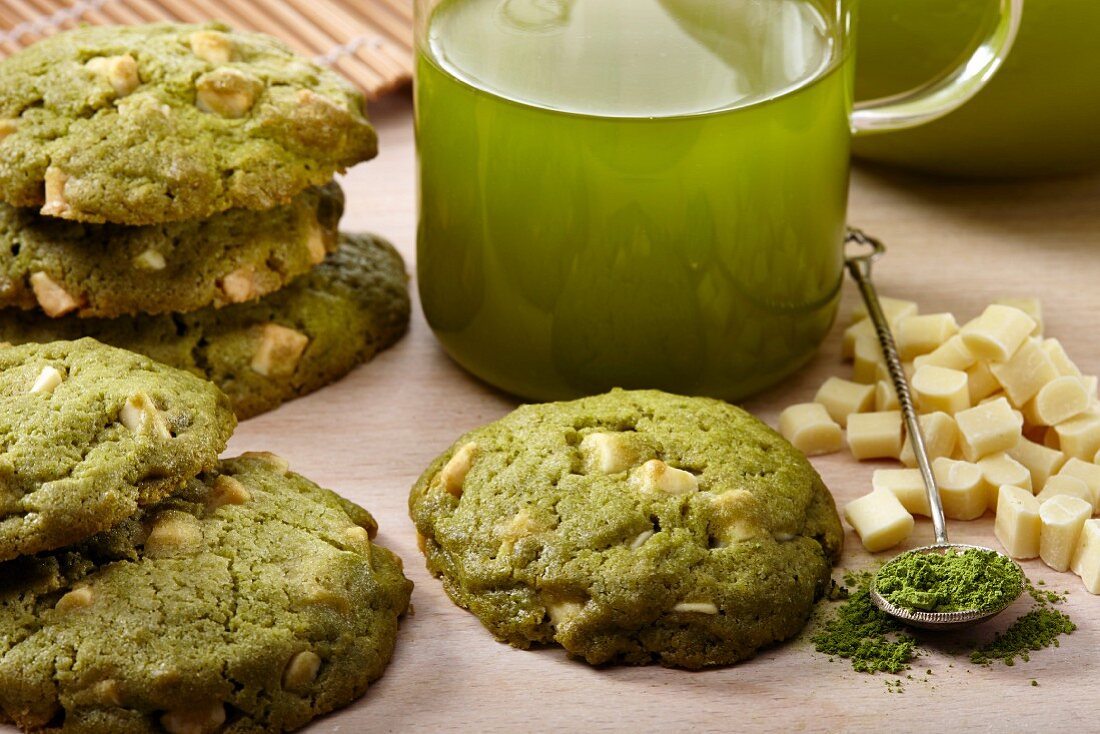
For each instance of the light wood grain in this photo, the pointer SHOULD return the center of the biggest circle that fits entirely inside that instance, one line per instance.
(951, 247)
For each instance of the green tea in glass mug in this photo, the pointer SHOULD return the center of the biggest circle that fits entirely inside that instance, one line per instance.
(638, 193)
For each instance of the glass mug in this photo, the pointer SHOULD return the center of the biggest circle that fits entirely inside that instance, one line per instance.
(643, 193)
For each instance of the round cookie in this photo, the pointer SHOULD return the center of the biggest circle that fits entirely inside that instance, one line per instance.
(278, 348)
(111, 269)
(155, 123)
(251, 601)
(90, 433)
(634, 526)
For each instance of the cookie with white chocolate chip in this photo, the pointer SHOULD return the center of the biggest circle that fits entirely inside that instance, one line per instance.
(106, 270)
(263, 353)
(165, 122)
(90, 433)
(634, 526)
(252, 600)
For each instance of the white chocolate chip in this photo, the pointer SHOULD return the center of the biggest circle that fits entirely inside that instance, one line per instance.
(140, 415)
(227, 490)
(8, 126)
(56, 204)
(279, 350)
(52, 297)
(697, 607)
(279, 463)
(301, 671)
(76, 599)
(315, 243)
(48, 379)
(213, 46)
(563, 612)
(608, 453)
(173, 533)
(150, 260)
(357, 535)
(120, 71)
(227, 92)
(657, 476)
(640, 539)
(200, 719)
(455, 470)
(240, 285)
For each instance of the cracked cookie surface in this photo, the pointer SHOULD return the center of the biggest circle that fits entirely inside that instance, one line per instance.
(634, 526)
(253, 600)
(164, 122)
(90, 433)
(280, 347)
(107, 270)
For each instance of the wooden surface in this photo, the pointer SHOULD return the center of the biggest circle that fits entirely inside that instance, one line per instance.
(952, 247)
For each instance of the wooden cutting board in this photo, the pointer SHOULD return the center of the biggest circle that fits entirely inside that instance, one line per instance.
(370, 41)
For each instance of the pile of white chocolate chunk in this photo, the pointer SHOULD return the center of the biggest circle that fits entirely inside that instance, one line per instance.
(1010, 422)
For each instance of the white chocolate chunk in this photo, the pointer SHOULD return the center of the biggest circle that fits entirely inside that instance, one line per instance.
(454, 472)
(907, 485)
(108, 691)
(962, 493)
(52, 297)
(150, 260)
(1017, 525)
(941, 435)
(917, 335)
(227, 490)
(79, 598)
(696, 607)
(736, 517)
(213, 46)
(1030, 305)
(980, 382)
(843, 397)
(1086, 557)
(240, 285)
(1087, 472)
(1041, 461)
(894, 309)
(657, 476)
(1057, 401)
(886, 397)
(1079, 436)
(1067, 486)
(810, 429)
(522, 525)
(608, 453)
(173, 533)
(640, 539)
(8, 126)
(882, 372)
(278, 350)
(563, 612)
(227, 92)
(1024, 373)
(56, 204)
(121, 72)
(48, 379)
(280, 464)
(952, 354)
(140, 415)
(997, 333)
(315, 244)
(862, 330)
(879, 519)
(999, 470)
(1059, 358)
(989, 428)
(1062, 519)
(875, 435)
(940, 389)
(205, 718)
(301, 671)
(867, 360)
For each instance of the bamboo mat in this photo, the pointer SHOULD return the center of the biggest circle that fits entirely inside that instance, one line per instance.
(369, 41)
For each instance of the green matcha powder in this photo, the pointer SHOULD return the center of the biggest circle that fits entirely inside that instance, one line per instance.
(952, 581)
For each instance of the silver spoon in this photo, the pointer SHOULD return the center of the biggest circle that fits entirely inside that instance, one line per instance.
(859, 266)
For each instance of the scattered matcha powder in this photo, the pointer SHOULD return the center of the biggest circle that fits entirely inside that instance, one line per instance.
(952, 581)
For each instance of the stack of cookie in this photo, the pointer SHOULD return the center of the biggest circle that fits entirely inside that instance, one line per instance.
(167, 189)
(146, 586)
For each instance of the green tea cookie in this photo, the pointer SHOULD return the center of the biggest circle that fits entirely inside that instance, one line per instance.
(158, 123)
(112, 269)
(630, 527)
(251, 601)
(283, 346)
(90, 433)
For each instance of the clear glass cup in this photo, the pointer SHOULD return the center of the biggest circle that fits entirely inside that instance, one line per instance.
(644, 193)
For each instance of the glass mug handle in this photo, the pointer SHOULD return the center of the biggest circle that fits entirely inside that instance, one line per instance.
(948, 92)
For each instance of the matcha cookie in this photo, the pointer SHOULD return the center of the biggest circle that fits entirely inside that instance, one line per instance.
(111, 269)
(287, 344)
(157, 123)
(90, 433)
(251, 601)
(630, 527)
